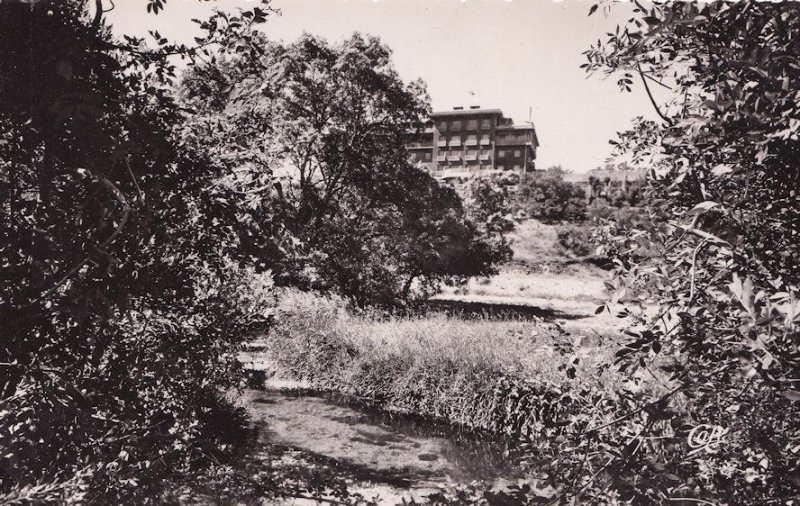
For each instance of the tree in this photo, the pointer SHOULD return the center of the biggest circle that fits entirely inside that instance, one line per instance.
(351, 213)
(120, 304)
(548, 198)
(723, 167)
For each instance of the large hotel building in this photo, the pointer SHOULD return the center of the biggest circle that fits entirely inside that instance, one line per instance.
(474, 140)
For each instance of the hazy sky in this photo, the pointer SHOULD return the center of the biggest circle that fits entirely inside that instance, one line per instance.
(512, 55)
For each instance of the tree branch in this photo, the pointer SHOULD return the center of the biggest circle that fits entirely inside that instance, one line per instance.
(650, 95)
(98, 14)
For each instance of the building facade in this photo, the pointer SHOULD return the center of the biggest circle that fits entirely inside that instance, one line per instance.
(463, 142)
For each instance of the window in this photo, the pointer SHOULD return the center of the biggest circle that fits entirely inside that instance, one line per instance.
(472, 140)
(472, 124)
(486, 124)
(427, 156)
(485, 155)
(455, 141)
(442, 143)
(501, 153)
(442, 126)
(456, 125)
(517, 153)
(517, 167)
(485, 140)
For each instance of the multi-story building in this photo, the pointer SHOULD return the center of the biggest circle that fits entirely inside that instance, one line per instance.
(474, 140)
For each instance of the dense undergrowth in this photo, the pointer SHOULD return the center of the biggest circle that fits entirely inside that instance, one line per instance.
(521, 379)
(511, 377)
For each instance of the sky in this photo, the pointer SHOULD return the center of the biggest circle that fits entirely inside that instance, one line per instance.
(521, 56)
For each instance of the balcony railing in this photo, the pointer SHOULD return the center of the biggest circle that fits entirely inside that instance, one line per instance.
(471, 142)
(506, 140)
(442, 143)
(455, 141)
(485, 141)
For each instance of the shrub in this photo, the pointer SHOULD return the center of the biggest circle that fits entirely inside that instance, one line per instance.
(123, 297)
(548, 198)
(575, 239)
(723, 169)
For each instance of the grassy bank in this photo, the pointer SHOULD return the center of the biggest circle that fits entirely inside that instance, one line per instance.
(509, 377)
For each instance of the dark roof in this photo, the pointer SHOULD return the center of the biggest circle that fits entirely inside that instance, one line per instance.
(518, 126)
(467, 112)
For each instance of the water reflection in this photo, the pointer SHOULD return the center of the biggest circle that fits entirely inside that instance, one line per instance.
(395, 442)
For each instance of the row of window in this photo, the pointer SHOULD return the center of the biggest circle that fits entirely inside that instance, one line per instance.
(457, 125)
(471, 154)
(484, 166)
(514, 137)
(503, 153)
(471, 140)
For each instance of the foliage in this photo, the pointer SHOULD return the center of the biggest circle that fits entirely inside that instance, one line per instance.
(495, 376)
(629, 232)
(125, 282)
(351, 213)
(488, 203)
(548, 198)
(723, 170)
(574, 239)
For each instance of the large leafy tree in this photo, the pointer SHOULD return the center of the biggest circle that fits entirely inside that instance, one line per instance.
(327, 123)
(723, 160)
(121, 250)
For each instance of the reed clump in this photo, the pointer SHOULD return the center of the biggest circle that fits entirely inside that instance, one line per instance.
(516, 378)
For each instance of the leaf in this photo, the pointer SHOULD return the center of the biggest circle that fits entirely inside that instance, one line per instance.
(762, 154)
(721, 170)
(702, 207)
(792, 395)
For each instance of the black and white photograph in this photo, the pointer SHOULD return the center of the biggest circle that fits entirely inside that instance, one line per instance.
(399, 252)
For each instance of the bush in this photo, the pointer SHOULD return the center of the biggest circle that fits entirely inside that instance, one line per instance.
(575, 239)
(725, 275)
(125, 290)
(548, 198)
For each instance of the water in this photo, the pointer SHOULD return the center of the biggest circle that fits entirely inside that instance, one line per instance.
(392, 454)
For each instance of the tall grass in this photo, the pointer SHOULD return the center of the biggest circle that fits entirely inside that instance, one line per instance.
(507, 377)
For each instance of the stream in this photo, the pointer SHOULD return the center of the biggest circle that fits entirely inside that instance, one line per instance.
(391, 455)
